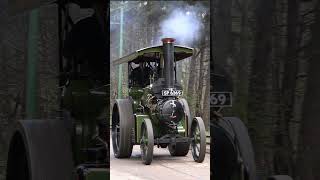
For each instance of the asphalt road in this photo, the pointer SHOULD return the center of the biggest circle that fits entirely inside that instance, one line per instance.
(163, 167)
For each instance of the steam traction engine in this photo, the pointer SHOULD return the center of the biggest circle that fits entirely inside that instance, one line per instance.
(154, 113)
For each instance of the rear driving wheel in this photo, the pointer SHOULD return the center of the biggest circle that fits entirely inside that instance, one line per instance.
(122, 128)
(146, 142)
(198, 143)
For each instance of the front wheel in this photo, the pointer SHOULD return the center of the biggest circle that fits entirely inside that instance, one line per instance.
(146, 142)
(198, 143)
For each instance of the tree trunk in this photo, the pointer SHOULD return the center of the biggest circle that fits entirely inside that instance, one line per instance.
(192, 82)
(221, 31)
(288, 88)
(200, 85)
(257, 109)
(206, 104)
(241, 86)
(310, 145)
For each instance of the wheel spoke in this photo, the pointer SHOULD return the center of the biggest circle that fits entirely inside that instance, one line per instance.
(198, 131)
(198, 139)
(144, 142)
(117, 135)
(198, 148)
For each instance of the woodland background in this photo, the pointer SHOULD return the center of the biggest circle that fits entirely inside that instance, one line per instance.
(270, 51)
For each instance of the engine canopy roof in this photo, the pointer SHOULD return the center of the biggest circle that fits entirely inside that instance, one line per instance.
(153, 54)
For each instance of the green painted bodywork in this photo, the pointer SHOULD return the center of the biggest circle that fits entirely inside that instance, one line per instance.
(157, 130)
(139, 119)
(97, 174)
(87, 109)
(182, 127)
(136, 92)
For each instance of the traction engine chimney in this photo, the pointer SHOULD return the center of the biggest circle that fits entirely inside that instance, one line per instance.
(168, 56)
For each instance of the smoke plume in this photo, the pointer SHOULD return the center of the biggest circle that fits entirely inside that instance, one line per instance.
(183, 24)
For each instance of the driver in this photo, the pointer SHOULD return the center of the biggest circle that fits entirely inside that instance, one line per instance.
(141, 75)
(86, 44)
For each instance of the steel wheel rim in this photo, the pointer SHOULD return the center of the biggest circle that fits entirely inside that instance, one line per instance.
(117, 136)
(144, 142)
(116, 133)
(196, 140)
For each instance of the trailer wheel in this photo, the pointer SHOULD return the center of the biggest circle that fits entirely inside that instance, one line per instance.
(198, 143)
(122, 125)
(179, 149)
(146, 141)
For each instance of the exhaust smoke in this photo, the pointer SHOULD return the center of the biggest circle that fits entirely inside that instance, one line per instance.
(184, 24)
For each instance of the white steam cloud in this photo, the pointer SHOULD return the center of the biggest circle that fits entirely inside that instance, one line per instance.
(183, 25)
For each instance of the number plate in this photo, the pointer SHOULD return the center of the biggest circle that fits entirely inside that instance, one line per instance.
(221, 99)
(171, 92)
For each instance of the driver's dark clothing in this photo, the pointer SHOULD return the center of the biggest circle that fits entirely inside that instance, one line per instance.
(86, 44)
(137, 77)
(140, 76)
